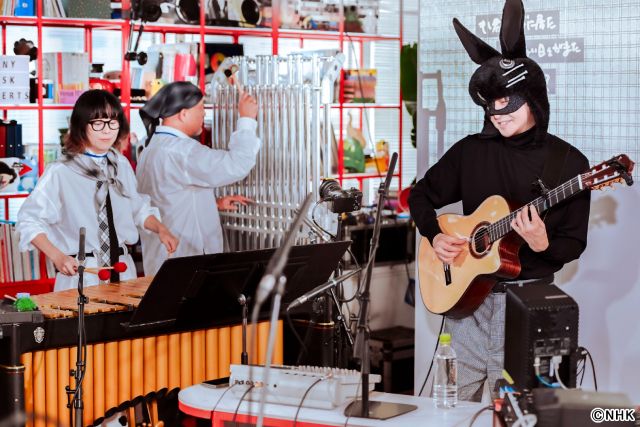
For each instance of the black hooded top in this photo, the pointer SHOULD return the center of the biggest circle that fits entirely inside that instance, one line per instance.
(477, 167)
(487, 164)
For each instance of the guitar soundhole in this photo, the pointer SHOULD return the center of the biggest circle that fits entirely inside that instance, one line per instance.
(480, 242)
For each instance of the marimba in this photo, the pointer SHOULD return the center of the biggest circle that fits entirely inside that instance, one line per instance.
(122, 364)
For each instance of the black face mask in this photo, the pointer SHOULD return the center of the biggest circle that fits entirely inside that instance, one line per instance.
(515, 102)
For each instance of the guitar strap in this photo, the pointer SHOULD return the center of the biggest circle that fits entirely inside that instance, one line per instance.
(553, 166)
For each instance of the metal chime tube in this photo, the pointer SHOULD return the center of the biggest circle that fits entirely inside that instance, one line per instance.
(289, 126)
(315, 122)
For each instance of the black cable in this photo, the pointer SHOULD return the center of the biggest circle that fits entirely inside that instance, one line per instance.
(584, 354)
(580, 371)
(313, 218)
(304, 396)
(357, 292)
(235, 414)
(213, 411)
(358, 389)
(593, 369)
(432, 358)
(355, 260)
(477, 414)
(584, 370)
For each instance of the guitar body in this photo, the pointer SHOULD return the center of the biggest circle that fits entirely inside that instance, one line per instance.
(492, 249)
(473, 274)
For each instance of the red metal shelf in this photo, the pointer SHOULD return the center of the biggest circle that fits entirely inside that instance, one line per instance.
(365, 175)
(366, 106)
(105, 24)
(18, 20)
(96, 24)
(36, 107)
(202, 31)
(333, 35)
(207, 30)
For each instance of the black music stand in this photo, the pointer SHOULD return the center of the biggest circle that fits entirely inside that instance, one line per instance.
(203, 290)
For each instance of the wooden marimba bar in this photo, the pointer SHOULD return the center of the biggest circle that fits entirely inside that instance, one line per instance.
(120, 370)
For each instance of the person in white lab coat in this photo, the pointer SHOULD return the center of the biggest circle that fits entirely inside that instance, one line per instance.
(91, 186)
(180, 174)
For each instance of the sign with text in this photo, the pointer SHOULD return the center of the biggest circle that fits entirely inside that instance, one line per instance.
(540, 23)
(570, 49)
(14, 79)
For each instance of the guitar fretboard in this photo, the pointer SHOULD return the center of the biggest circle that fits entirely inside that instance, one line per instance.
(503, 226)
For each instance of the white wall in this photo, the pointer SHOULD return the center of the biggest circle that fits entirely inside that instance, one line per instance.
(594, 106)
(605, 282)
(387, 306)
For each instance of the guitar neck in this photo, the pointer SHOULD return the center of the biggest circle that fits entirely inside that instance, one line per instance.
(503, 226)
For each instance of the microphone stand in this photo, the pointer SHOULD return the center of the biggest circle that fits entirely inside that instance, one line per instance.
(338, 279)
(76, 406)
(329, 286)
(365, 408)
(274, 279)
(244, 357)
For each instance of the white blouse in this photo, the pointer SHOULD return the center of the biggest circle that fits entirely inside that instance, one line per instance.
(63, 201)
(180, 174)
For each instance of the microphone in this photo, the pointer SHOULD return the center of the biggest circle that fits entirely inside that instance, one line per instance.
(322, 288)
(81, 250)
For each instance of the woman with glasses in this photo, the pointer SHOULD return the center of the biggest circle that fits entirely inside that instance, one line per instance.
(92, 186)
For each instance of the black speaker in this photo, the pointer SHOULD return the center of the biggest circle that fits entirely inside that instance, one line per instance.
(541, 322)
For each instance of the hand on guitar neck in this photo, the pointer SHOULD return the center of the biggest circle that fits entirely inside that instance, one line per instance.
(531, 228)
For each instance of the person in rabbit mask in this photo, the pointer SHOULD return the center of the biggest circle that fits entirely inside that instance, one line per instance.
(513, 150)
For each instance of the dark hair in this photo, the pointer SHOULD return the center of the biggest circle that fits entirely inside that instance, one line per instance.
(91, 105)
(6, 169)
(169, 100)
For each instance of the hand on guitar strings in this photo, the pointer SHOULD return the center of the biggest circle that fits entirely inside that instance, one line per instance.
(531, 228)
(447, 248)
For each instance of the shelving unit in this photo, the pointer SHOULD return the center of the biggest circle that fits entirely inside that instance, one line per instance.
(122, 25)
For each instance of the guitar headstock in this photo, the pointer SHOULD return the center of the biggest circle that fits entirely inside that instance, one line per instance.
(607, 173)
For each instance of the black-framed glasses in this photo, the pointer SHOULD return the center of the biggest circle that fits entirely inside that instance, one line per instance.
(98, 125)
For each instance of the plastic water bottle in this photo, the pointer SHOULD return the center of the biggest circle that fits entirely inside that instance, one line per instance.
(445, 383)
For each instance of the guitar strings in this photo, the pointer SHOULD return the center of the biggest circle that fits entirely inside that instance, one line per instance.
(505, 223)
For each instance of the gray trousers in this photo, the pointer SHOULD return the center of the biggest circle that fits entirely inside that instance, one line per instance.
(478, 341)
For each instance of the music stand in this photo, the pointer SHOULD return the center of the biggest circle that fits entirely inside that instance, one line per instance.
(203, 290)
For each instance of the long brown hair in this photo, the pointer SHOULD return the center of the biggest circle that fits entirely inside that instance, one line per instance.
(91, 105)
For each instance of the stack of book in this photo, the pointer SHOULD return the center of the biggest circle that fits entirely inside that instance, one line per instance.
(360, 85)
(18, 7)
(11, 139)
(16, 266)
(69, 74)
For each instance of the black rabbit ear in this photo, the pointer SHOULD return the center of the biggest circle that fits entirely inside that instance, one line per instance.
(477, 49)
(512, 31)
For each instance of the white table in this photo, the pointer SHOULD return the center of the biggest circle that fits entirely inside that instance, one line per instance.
(199, 400)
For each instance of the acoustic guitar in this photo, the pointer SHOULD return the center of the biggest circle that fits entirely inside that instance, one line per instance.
(491, 252)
